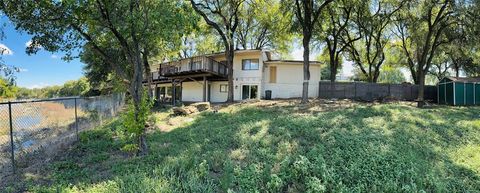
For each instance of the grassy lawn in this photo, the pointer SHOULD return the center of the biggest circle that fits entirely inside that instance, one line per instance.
(280, 147)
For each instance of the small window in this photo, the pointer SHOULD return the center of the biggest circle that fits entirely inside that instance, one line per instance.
(223, 88)
(250, 64)
(273, 74)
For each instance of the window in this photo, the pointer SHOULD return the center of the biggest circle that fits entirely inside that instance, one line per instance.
(273, 74)
(250, 64)
(223, 88)
(249, 92)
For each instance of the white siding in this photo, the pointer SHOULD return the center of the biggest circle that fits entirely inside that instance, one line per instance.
(245, 77)
(192, 92)
(216, 95)
(289, 82)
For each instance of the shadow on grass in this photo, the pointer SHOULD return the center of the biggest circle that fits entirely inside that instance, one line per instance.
(382, 148)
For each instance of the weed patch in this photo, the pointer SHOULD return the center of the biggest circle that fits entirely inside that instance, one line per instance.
(273, 148)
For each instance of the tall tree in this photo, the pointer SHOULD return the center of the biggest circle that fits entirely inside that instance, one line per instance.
(372, 20)
(201, 40)
(263, 25)
(421, 27)
(223, 16)
(307, 13)
(121, 32)
(7, 72)
(440, 65)
(339, 16)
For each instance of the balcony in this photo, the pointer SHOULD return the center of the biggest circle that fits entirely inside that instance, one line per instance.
(156, 77)
(194, 67)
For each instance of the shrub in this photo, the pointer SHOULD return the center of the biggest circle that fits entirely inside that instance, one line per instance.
(135, 125)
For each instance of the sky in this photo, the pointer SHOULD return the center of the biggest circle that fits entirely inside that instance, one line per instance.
(38, 70)
(47, 69)
(297, 54)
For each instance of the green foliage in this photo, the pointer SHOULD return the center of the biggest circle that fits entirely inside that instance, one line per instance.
(324, 59)
(259, 30)
(80, 87)
(379, 148)
(130, 148)
(7, 90)
(75, 88)
(391, 75)
(134, 119)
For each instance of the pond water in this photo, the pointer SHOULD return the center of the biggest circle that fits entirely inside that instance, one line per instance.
(27, 121)
(24, 126)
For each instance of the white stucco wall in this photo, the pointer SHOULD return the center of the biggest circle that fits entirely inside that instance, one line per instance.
(215, 95)
(245, 77)
(192, 92)
(289, 82)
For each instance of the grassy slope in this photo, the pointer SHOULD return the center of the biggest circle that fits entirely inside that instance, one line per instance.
(381, 148)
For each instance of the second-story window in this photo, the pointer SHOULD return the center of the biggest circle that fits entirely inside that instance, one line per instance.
(250, 64)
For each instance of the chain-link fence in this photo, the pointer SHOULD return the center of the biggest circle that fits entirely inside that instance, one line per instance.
(37, 129)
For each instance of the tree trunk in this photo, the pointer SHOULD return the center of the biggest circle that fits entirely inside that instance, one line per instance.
(306, 66)
(229, 54)
(421, 89)
(376, 74)
(148, 73)
(137, 94)
(333, 69)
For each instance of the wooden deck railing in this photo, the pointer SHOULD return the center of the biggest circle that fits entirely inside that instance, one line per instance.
(155, 76)
(199, 64)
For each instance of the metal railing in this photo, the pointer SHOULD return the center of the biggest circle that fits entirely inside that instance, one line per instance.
(193, 65)
(155, 76)
(34, 129)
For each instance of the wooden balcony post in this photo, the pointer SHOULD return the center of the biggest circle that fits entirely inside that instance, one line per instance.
(173, 93)
(204, 89)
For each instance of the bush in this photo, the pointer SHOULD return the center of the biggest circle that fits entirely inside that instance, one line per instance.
(135, 127)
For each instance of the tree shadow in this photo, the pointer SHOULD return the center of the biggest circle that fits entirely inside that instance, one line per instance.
(382, 148)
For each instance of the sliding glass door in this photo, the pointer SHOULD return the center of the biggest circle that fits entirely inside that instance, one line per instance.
(249, 92)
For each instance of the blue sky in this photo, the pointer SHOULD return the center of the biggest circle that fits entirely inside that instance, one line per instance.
(39, 70)
(47, 69)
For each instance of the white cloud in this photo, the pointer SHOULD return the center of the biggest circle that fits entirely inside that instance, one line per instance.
(29, 42)
(4, 50)
(54, 56)
(23, 70)
(39, 85)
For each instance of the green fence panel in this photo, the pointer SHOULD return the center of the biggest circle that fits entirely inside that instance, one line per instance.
(477, 94)
(441, 94)
(470, 97)
(449, 93)
(459, 93)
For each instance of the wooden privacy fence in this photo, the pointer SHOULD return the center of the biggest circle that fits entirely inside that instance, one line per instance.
(373, 91)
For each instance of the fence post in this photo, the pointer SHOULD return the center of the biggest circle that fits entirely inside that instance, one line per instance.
(355, 97)
(389, 90)
(76, 119)
(319, 89)
(411, 93)
(11, 135)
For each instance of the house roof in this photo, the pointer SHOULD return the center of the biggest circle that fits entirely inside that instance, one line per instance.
(464, 79)
(291, 61)
(235, 51)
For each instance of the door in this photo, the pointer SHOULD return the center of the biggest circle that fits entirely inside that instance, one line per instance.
(157, 93)
(249, 92)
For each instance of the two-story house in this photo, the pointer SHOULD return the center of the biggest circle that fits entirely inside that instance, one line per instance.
(204, 78)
